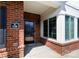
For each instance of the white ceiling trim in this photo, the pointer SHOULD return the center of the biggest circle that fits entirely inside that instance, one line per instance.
(38, 7)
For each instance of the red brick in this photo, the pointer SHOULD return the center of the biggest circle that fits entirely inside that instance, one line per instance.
(13, 34)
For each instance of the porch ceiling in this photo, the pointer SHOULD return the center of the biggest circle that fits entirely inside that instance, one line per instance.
(38, 7)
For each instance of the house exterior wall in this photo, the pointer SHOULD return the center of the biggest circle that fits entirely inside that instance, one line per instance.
(15, 37)
(61, 45)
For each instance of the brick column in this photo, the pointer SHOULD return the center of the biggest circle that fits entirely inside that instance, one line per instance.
(14, 37)
(21, 43)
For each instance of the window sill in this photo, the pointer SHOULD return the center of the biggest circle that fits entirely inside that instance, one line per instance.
(61, 43)
(51, 39)
(71, 40)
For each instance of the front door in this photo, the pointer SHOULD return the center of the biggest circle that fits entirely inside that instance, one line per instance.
(29, 32)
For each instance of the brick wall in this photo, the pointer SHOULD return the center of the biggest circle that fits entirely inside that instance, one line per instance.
(69, 47)
(54, 46)
(14, 36)
(3, 53)
(61, 48)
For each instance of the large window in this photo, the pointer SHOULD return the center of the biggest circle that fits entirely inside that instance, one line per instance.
(69, 27)
(52, 27)
(51, 30)
(45, 30)
(3, 15)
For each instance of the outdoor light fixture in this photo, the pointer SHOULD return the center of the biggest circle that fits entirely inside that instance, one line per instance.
(15, 25)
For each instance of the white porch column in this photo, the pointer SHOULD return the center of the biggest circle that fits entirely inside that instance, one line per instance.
(61, 28)
(75, 28)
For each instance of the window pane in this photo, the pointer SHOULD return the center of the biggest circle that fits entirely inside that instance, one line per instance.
(66, 27)
(3, 14)
(45, 30)
(3, 18)
(78, 28)
(69, 27)
(29, 28)
(72, 28)
(52, 27)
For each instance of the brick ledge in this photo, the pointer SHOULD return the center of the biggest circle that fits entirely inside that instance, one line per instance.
(2, 50)
(59, 44)
(21, 46)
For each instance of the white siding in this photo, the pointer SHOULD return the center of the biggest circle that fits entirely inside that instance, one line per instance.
(61, 28)
(70, 11)
(75, 28)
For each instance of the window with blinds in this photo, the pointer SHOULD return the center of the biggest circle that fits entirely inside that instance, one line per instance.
(3, 15)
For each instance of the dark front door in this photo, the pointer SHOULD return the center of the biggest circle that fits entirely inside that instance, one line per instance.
(29, 32)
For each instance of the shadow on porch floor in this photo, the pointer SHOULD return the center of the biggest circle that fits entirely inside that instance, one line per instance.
(29, 47)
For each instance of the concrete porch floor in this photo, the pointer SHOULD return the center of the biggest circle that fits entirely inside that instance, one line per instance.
(41, 51)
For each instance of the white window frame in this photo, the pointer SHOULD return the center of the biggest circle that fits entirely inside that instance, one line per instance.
(61, 39)
(75, 30)
(51, 39)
